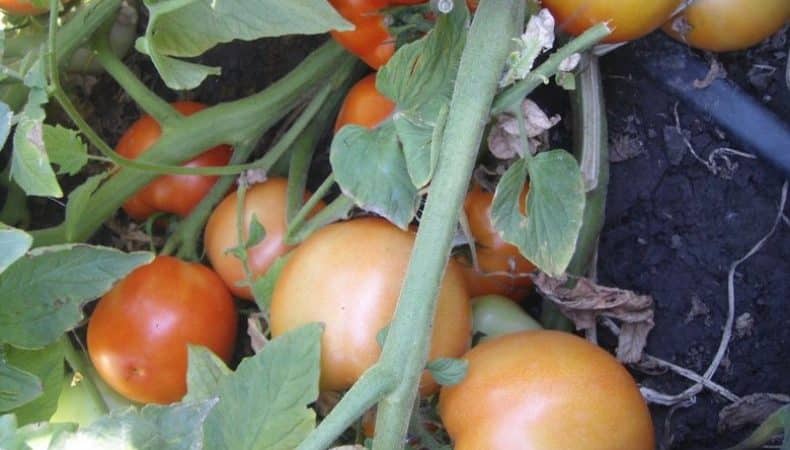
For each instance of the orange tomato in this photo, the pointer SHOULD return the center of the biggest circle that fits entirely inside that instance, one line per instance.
(631, 19)
(177, 194)
(370, 40)
(728, 25)
(545, 390)
(364, 105)
(348, 276)
(267, 202)
(23, 7)
(138, 334)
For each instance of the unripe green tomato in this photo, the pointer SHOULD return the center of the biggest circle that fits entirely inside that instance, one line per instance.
(495, 315)
(75, 404)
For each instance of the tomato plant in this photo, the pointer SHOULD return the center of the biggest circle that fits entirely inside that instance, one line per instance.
(495, 315)
(176, 194)
(548, 390)
(138, 334)
(370, 40)
(266, 202)
(727, 25)
(501, 267)
(631, 19)
(348, 276)
(364, 105)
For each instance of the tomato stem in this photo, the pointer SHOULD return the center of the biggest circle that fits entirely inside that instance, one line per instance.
(512, 97)
(338, 209)
(296, 224)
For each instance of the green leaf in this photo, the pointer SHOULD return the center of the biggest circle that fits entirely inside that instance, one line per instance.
(256, 233)
(77, 206)
(10, 438)
(196, 26)
(47, 365)
(204, 373)
(174, 427)
(448, 371)
(555, 205)
(17, 387)
(5, 121)
(263, 405)
(371, 170)
(263, 286)
(14, 244)
(65, 148)
(43, 292)
(30, 166)
(420, 78)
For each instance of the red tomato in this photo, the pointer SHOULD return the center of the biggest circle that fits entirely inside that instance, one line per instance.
(545, 390)
(364, 105)
(22, 7)
(370, 40)
(177, 194)
(138, 334)
(728, 25)
(407, 2)
(493, 253)
(348, 276)
(267, 202)
(631, 19)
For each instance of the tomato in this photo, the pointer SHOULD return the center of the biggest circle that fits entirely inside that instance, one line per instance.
(364, 105)
(494, 255)
(138, 334)
(370, 40)
(22, 7)
(267, 202)
(348, 276)
(407, 2)
(727, 25)
(630, 19)
(177, 194)
(545, 390)
(494, 315)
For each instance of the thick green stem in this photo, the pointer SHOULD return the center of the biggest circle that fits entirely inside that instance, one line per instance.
(592, 150)
(337, 210)
(298, 169)
(223, 123)
(76, 360)
(295, 224)
(405, 351)
(151, 103)
(512, 96)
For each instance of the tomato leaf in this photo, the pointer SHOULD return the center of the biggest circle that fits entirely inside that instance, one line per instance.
(448, 371)
(47, 365)
(370, 169)
(14, 243)
(17, 387)
(5, 123)
(420, 78)
(77, 206)
(10, 438)
(555, 205)
(30, 166)
(174, 427)
(204, 373)
(193, 27)
(255, 234)
(263, 405)
(65, 148)
(43, 292)
(263, 286)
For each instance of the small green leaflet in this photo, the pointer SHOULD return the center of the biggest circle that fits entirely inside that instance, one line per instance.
(204, 373)
(30, 166)
(65, 148)
(187, 29)
(263, 405)
(263, 286)
(14, 244)
(17, 387)
(5, 121)
(448, 371)
(555, 206)
(371, 170)
(79, 199)
(255, 234)
(154, 427)
(47, 365)
(44, 291)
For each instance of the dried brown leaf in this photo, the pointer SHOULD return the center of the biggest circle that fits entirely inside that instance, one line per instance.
(750, 410)
(256, 332)
(586, 301)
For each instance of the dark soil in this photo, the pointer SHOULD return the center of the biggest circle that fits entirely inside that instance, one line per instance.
(672, 230)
